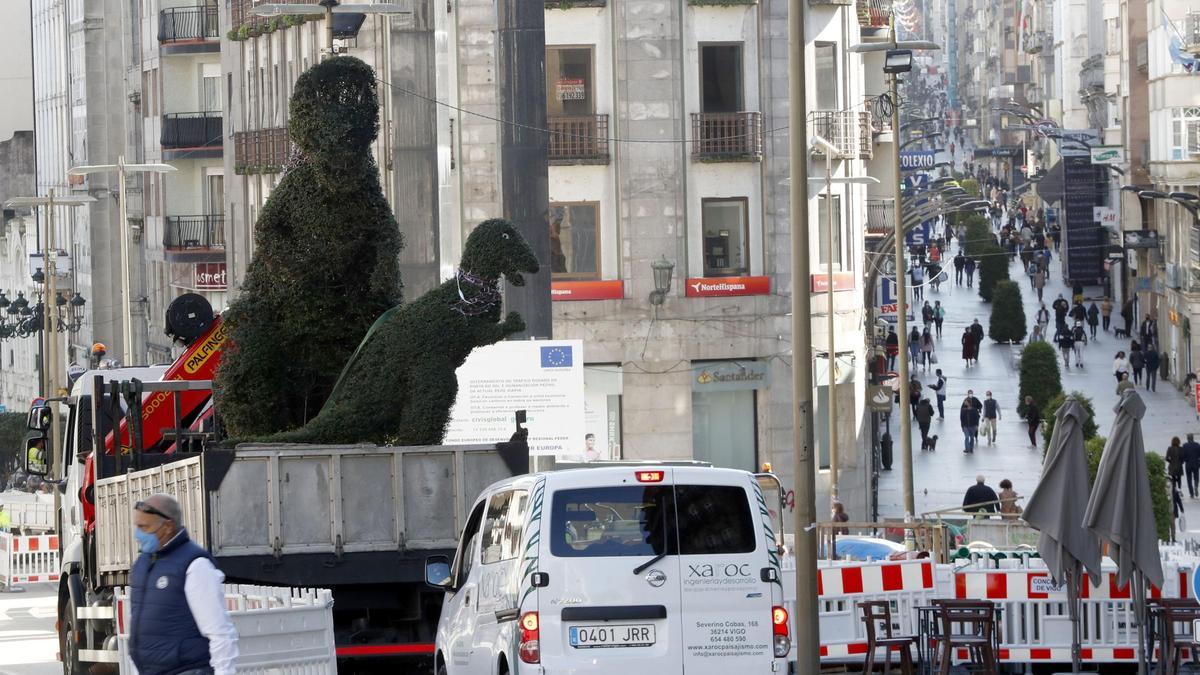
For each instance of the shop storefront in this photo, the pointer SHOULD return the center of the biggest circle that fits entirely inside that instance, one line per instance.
(724, 429)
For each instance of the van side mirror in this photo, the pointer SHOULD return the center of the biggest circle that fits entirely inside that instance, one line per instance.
(39, 418)
(437, 572)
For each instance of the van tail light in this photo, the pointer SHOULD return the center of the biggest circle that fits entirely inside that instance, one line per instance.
(779, 624)
(650, 476)
(530, 647)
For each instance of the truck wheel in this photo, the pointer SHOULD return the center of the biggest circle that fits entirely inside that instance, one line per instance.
(441, 669)
(68, 643)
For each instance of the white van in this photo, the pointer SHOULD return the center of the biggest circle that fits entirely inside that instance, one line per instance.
(653, 569)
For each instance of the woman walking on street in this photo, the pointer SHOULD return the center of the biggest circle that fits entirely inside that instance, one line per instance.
(1152, 363)
(1093, 318)
(914, 347)
(927, 356)
(1106, 312)
(893, 348)
(1175, 462)
(1033, 417)
(968, 346)
(1120, 367)
(939, 315)
(1137, 361)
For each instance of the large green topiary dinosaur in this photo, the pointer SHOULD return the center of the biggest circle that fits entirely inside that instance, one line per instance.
(400, 384)
(325, 263)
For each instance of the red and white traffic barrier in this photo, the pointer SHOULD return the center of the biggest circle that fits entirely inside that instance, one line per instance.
(28, 559)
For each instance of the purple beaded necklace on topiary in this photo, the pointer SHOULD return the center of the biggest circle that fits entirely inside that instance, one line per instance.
(485, 298)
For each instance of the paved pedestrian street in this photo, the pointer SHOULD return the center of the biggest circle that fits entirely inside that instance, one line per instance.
(28, 645)
(942, 477)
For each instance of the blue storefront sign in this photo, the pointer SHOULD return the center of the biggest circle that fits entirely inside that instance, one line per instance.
(914, 160)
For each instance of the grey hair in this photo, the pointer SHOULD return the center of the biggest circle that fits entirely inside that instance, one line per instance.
(979, 478)
(168, 505)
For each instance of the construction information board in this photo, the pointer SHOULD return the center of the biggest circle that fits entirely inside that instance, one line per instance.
(542, 377)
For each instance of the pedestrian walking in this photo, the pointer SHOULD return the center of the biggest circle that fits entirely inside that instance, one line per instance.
(924, 416)
(1060, 308)
(1191, 464)
(927, 315)
(1127, 316)
(1149, 330)
(960, 262)
(1123, 384)
(1151, 357)
(1039, 282)
(1106, 308)
(939, 315)
(917, 276)
(991, 417)
(968, 418)
(1093, 318)
(1137, 361)
(980, 498)
(969, 268)
(1037, 335)
(1009, 510)
(1066, 344)
(1080, 338)
(1078, 312)
(914, 393)
(970, 348)
(1174, 459)
(927, 354)
(939, 389)
(893, 347)
(1031, 269)
(1120, 367)
(838, 515)
(1033, 417)
(1077, 293)
(914, 346)
(179, 621)
(1042, 318)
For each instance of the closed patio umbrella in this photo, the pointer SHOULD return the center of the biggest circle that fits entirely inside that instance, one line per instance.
(1056, 509)
(1120, 510)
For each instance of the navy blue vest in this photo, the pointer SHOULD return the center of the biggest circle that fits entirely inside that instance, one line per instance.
(164, 638)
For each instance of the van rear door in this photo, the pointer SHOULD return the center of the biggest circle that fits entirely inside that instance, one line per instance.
(612, 604)
(726, 603)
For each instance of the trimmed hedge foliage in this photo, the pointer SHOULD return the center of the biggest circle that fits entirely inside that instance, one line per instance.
(1008, 313)
(1040, 377)
(325, 264)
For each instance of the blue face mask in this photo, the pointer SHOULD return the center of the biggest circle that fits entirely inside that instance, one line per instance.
(147, 541)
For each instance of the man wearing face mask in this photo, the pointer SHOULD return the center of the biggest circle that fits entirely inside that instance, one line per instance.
(180, 624)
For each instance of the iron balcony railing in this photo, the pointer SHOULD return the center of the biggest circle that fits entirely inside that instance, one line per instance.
(194, 233)
(191, 130)
(261, 150)
(578, 138)
(881, 217)
(848, 131)
(727, 136)
(176, 24)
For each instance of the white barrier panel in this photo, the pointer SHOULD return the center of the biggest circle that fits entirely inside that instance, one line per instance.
(281, 631)
(29, 511)
(28, 559)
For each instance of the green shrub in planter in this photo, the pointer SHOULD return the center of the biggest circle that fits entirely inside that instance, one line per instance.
(993, 268)
(1008, 315)
(970, 185)
(1089, 427)
(243, 32)
(1039, 377)
(1160, 494)
(1094, 447)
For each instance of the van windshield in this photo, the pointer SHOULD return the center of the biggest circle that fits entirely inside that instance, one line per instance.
(642, 521)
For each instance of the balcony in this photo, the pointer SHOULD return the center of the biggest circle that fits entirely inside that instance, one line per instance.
(261, 151)
(1191, 33)
(848, 131)
(193, 135)
(881, 217)
(189, 30)
(572, 4)
(830, 3)
(727, 137)
(873, 14)
(578, 139)
(194, 238)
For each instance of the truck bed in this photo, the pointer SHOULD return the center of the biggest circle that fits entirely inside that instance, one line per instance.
(272, 501)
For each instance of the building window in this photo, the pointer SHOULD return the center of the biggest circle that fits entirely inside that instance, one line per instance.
(827, 77)
(569, 86)
(822, 226)
(575, 240)
(726, 232)
(1185, 132)
(721, 78)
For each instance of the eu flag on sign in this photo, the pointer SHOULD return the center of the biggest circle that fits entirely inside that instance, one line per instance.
(556, 357)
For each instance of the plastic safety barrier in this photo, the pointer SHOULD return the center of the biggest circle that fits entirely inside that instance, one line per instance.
(281, 631)
(28, 559)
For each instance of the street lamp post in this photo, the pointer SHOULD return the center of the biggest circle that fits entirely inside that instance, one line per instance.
(123, 216)
(49, 253)
(899, 60)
